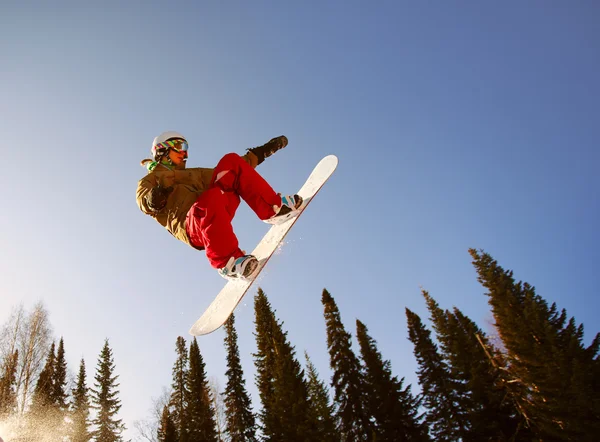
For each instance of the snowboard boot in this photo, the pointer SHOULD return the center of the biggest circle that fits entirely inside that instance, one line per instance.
(290, 207)
(239, 268)
(269, 148)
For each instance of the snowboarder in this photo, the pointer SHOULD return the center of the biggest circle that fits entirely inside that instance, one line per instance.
(197, 205)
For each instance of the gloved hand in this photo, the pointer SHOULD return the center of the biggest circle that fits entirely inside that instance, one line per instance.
(157, 198)
(269, 148)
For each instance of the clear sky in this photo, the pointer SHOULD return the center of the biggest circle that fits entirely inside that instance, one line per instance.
(457, 124)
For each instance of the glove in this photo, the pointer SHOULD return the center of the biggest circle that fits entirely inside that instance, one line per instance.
(157, 198)
(269, 148)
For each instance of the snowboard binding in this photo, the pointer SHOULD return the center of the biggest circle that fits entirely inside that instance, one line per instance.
(243, 267)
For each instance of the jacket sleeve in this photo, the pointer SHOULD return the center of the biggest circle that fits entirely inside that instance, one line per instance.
(166, 178)
(251, 159)
(260, 153)
(145, 185)
(197, 179)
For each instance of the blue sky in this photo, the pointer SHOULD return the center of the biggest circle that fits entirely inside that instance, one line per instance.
(457, 124)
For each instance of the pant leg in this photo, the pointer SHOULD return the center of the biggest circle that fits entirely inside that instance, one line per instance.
(209, 225)
(233, 174)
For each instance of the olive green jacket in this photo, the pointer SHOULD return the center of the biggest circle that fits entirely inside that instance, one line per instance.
(188, 185)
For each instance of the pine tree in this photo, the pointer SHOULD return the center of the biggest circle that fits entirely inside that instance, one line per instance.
(8, 393)
(80, 408)
(265, 362)
(202, 425)
(167, 431)
(554, 376)
(44, 416)
(394, 409)
(446, 421)
(280, 380)
(59, 382)
(105, 399)
(473, 362)
(179, 395)
(44, 388)
(241, 424)
(347, 380)
(49, 399)
(322, 410)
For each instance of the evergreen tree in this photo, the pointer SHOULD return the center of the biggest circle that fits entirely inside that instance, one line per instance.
(167, 431)
(446, 421)
(241, 424)
(265, 362)
(48, 407)
(59, 382)
(44, 416)
(555, 377)
(44, 388)
(473, 362)
(8, 379)
(80, 408)
(347, 380)
(394, 409)
(179, 395)
(280, 380)
(322, 410)
(202, 425)
(105, 399)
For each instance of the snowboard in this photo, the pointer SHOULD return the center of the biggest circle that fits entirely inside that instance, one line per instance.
(230, 296)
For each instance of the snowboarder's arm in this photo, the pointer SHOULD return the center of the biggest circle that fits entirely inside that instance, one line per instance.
(151, 196)
(145, 185)
(266, 150)
(195, 177)
(154, 189)
(251, 159)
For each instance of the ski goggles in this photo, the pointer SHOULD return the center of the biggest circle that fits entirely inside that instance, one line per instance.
(176, 145)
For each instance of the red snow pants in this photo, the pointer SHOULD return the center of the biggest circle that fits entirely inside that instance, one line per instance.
(208, 221)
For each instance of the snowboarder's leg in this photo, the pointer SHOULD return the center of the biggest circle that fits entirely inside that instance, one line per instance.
(209, 225)
(233, 174)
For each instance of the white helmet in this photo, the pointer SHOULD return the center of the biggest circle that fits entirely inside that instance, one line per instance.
(158, 150)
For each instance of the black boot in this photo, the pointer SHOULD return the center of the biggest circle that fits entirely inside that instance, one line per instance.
(269, 148)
